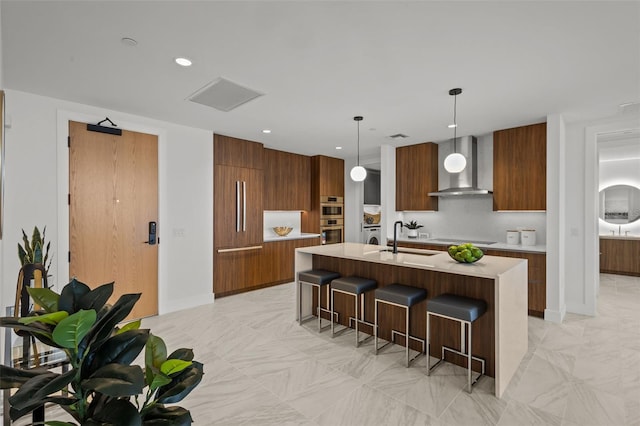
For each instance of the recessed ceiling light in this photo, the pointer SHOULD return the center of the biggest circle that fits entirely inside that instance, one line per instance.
(338, 147)
(128, 41)
(183, 62)
(451, 126)
(266, 131)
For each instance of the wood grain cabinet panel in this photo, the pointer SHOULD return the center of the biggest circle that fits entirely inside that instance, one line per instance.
(520, 168)
(416, 176)
(620, 256)
(238, 205)
(287, 181)
(537, 274)
(330, 175)
(230, 151)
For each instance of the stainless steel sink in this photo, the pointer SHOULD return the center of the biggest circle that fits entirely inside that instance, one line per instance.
(452, 240)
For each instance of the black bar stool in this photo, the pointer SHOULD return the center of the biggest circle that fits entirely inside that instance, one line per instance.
(316, 278)
(404, 296)
(357, 287)
(464, 310)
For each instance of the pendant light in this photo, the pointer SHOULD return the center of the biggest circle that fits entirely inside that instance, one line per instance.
(358, 173)
(456, 162)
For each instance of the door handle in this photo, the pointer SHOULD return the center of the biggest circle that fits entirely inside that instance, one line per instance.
(237, 206)
(151, 240)
(244, 206)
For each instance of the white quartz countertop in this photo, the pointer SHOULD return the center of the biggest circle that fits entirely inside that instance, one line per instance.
(487, 267)
(299, 236)
(620, 237)
(496, 246)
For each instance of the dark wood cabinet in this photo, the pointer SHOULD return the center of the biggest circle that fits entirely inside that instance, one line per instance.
(287, 181)
(620, 256)
(520, 168)
(238, 220)
(537, 273)
(327, 179)
(278, 259)
(416, 176)
(328, 173)
(238, 214)
(230, 151)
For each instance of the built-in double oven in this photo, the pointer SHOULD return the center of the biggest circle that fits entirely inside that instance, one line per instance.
(332, 219)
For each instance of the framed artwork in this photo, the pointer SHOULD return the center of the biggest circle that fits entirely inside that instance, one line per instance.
(1, 161)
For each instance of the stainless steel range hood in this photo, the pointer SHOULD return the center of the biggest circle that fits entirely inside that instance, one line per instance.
(465, 182)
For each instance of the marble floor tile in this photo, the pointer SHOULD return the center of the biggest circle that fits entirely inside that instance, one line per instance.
(280, 415)
(366, 406)
(517, 413)
(589, 406)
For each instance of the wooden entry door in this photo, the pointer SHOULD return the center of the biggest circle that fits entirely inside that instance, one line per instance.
(113, 186)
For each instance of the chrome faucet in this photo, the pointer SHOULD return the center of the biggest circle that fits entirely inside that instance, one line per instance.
(619, 229)
(395, 235)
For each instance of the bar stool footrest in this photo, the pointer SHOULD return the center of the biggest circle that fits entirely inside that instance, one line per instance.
(318, 310)
(457, 352)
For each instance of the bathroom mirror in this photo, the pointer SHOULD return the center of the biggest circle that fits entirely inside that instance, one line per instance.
(620, 204)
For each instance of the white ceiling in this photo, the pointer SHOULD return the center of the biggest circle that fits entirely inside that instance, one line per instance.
(321, 63)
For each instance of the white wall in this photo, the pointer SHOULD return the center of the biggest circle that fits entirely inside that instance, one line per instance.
(37, 186)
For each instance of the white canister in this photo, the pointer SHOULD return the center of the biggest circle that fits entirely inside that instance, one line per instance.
(528, 237)
(513, 237)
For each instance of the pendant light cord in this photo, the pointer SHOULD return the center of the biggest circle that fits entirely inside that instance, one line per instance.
(358, 143)
(455, 123)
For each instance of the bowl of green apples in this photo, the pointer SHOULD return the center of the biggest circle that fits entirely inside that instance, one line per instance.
(465, 253)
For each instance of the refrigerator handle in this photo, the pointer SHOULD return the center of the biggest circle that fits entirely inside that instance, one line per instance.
(244, 206)
(237, 206)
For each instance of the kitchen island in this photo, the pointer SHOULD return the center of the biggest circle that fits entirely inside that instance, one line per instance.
(500, 335)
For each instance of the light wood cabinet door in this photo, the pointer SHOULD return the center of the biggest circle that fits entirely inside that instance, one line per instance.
(520, 168)
(416, 177)
(287, 181)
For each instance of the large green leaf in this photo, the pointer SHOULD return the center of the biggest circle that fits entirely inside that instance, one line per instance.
(97, 297)
(71, 295)
(159, 415)
(37, 252)
(119, 412)
(181, 385)
(37, 389)
(27, 248)
(40, 331)
(22, 255)
(71, 330)
(106, 323)
(15, 413)
(36, 239)
(58, 423)
(119, 349)
(158, 380)
(155, 354)
(172, 367)
(53, 318)
(11, 377)
(183, 354)
(133, 325)
(45, 297)
(116, 380)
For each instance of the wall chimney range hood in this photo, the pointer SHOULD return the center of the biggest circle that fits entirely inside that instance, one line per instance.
(465, 182)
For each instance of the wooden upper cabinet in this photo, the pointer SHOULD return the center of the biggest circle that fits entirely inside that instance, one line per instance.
(329, 173)
(238, 220)
(520, 168)
(416, 176)
(287, 181)
(228, 151)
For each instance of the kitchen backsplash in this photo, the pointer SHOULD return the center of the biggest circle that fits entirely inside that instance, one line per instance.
(473, 218)
(281, 218)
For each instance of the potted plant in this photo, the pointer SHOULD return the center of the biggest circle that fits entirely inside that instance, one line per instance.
(413, 227)
(102, 387)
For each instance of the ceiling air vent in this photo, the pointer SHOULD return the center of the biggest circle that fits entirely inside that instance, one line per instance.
(223, 95)
(398, 136)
